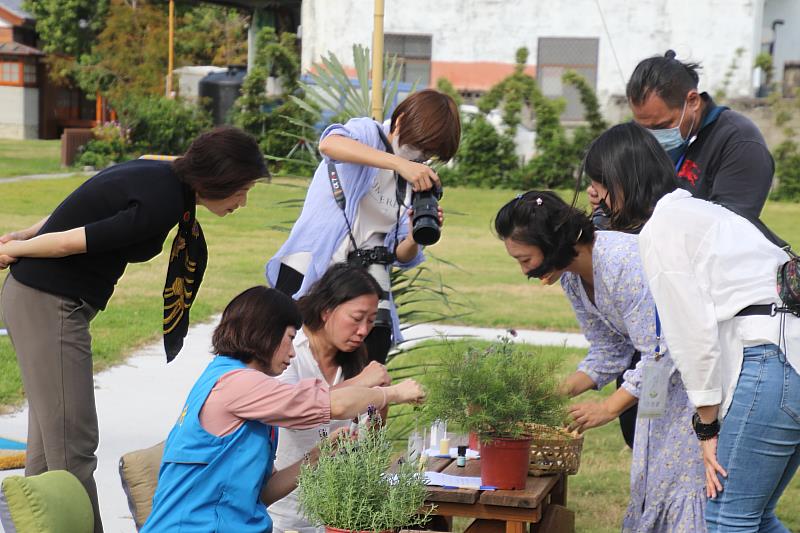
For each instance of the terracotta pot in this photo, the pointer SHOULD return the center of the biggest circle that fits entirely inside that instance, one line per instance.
(504, 462)
(329, 529)
(474, 442)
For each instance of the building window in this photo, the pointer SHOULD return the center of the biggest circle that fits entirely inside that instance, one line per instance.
(557, 55)
(10, 73)
(29, 73)
(413, 56)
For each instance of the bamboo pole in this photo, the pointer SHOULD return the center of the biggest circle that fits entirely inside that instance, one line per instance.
(170, 57)
(377, 62)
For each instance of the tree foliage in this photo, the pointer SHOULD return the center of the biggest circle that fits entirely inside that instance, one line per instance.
(274, 119)
(119, 47)
(67, 29)
(210, 35)
(122, 62)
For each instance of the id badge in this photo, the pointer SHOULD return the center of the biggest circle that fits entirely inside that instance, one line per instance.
(653, 395)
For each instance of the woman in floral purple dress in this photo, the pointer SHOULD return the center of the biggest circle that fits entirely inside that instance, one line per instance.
(602, 276)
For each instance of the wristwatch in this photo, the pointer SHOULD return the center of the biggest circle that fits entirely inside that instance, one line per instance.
(705, 431)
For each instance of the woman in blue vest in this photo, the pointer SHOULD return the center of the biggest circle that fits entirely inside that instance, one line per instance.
(217, 471)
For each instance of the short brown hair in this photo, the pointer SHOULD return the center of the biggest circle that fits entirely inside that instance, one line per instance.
(253, 325)
(221, 162)
(431, 123)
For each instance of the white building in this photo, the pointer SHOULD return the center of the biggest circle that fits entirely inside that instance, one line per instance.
(473, 42)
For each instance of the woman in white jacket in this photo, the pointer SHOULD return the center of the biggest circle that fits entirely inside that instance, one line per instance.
(712, 275)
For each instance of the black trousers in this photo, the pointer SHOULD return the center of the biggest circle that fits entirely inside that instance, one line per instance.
(379, 340)
(627, 420)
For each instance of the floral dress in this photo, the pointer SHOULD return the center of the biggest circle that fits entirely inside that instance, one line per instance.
(667, 475)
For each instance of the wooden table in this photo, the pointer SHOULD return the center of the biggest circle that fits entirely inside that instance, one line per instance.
(542, 503)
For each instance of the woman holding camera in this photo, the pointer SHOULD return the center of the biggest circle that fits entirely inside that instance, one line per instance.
(712, 274)
(357, 206)
(602, 276)
(338, 314)
(218, 469)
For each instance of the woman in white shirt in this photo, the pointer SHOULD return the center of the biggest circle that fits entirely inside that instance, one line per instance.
(338, 314)
(713, 275)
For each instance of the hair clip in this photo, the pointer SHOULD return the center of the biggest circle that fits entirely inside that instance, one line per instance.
(538, 200)
(518, 197)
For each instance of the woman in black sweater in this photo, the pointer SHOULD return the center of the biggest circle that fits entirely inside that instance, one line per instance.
(64, 269)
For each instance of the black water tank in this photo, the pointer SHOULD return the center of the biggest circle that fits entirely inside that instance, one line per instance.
(222, 89)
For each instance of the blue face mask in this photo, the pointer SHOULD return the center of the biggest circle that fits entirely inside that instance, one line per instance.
(670, 138)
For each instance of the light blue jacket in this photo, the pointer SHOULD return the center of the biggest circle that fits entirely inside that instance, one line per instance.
(321, 226)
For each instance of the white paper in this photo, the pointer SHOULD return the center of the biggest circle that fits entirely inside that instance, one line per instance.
(444, 480)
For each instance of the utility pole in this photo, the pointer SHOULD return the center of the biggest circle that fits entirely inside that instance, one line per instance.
(170, 57)
(377, 63)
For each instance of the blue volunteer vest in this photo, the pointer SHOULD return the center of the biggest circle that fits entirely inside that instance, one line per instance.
(209, 483)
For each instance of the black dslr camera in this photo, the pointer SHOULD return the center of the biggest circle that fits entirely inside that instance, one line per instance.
(426, 229)
(380, 255)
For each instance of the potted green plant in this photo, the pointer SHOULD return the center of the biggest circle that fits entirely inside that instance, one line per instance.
(350, 487)
(498, 392)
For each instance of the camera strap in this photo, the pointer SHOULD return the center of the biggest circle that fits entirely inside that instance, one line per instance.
(341, 200)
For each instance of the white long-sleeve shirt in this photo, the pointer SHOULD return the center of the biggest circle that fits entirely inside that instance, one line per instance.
(704, 264)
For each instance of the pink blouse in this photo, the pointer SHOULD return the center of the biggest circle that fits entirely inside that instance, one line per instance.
(248, 394)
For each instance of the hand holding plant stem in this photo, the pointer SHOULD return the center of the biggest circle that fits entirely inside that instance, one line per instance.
(408, 391)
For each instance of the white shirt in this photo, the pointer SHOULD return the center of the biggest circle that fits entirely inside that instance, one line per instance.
(293, 444)
(376, 215)
(704, 264)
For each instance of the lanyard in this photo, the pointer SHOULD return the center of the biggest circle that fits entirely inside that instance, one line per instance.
(658, 352)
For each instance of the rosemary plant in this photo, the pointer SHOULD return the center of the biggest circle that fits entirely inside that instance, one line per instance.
(349, 487)
(496, 391)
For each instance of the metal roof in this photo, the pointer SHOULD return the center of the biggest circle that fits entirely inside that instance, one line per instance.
(17, 49)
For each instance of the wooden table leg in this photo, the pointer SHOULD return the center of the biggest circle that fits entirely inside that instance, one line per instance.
(515, 527)
(558, 495)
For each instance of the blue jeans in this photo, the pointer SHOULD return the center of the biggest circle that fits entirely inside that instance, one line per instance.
(759, 444)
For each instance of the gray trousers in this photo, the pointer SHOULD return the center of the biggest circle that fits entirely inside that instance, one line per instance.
(50, 335)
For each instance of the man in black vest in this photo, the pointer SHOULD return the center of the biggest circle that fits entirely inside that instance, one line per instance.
(719, 154)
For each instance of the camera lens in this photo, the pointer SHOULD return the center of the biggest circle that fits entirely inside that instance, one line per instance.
(426, 229)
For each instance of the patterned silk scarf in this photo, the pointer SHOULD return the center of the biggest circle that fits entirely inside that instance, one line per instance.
(187, 263)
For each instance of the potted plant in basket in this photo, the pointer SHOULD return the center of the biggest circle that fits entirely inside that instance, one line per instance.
(350, 489)
(498, 392)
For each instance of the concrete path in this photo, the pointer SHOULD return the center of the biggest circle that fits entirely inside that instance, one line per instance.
(139, 400)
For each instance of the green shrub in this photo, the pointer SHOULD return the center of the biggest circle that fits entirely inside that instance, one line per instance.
(787, 171)
(557, 156)
(495, 391)
(110, 145)
(277, 121)
(485, 158)
(159, 125)
(349, 487)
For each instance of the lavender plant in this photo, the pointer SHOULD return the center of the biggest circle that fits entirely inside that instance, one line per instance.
(350, 486)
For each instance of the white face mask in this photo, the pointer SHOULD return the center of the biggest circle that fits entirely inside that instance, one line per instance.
(405, 151)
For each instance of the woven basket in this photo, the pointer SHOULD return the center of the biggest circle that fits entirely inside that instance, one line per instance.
(554, 450)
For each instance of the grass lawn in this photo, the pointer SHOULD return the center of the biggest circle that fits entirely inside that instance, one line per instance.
(21, 158)
(484, 276)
